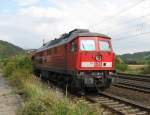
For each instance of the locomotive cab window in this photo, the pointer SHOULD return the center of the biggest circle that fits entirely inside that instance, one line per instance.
(87, 45)
(104, 46)
(73, 47)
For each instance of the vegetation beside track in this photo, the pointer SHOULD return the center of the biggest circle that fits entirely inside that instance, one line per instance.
(135, 69)
(146, 70)
(138, 69)
(39, 99)
(121, 66)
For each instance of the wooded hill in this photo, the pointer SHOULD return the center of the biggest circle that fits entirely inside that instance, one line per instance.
(7, 49)
(136, 58)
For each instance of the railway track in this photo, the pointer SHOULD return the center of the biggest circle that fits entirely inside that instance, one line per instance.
(137, 75)
(119, 105)
(131, 87)
(144, 78)
(134, 82)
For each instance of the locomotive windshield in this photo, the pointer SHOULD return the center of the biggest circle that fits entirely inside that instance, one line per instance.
(104, 46)
(87, 45)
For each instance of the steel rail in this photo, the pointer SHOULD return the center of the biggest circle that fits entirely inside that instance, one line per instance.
(133, 77)
(119, 105)
(140, 75)
(133, 82)
(131, 87)
(143, 85)
(127, 101)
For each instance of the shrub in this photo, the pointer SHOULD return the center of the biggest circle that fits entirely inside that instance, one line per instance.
(9, 68)
(82, 107)
(24, 62)
(34, 107)
(146, 70)
(120, 65)
(21, 62)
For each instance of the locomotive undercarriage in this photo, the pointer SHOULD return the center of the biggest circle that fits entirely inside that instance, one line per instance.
(79, 82)
(98, 80)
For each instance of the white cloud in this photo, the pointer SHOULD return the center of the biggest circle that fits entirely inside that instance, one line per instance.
(29, 25)
(4, 36)
(49, 12)
(26, 2)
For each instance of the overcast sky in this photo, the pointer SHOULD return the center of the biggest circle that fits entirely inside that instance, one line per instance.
(27, 22)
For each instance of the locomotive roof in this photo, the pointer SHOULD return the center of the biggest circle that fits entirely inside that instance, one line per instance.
(67, 37)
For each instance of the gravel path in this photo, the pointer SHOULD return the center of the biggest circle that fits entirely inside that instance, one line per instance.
(9, 101)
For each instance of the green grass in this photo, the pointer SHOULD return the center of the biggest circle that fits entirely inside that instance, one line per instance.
(138, 69)
(135, 69)
(39, 99)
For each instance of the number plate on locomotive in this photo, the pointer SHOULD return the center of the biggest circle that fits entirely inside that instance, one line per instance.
(96, 64)
(90, 64)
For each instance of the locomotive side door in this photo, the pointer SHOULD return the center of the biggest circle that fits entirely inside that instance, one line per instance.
(72, 48)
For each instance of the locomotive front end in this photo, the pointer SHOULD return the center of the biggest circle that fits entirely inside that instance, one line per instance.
(96, 61)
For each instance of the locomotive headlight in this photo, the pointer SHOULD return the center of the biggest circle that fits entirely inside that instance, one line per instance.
(98, 57)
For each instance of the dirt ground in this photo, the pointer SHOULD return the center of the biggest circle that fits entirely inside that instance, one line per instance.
(9, 101)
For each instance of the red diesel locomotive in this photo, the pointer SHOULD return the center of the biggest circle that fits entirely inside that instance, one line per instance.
(80, 58)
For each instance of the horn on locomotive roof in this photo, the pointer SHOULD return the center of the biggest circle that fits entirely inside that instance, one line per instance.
(65, 35)
(79, 31)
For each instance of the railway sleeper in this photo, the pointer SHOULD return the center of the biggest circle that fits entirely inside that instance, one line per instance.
(126, 109)
(107, 113)
(106, 101)
(111, 103)
(103, 99)
(123, 109)
(142, 113)
(133, 111)
(118, 105)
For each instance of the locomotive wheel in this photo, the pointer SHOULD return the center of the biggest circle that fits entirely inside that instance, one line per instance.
(61, 81)
(108, 83)
(36, 72)
(100, 88)
(76, 86)
(72, 84)
(44, 75)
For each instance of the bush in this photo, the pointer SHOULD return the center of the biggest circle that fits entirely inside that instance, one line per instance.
(9, 69)
(34, 107)
(24, 62)
(146, 70)
(120, 65)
